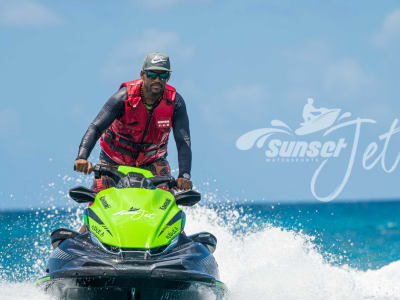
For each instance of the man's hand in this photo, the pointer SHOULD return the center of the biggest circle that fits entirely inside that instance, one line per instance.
(84, 166)
(184, 184)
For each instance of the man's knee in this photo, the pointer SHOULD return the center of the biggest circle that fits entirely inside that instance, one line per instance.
(160, 168)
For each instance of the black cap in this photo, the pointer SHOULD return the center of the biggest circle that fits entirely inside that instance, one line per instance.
(156, 62)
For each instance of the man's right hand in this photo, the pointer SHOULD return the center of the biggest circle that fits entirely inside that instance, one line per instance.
(84, 166)
(183, 184)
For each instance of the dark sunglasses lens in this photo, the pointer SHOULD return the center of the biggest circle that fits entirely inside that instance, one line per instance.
(164, 76)
(151, 75)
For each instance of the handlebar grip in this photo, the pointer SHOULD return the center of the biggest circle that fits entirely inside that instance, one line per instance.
(161, 180)
(100, 170)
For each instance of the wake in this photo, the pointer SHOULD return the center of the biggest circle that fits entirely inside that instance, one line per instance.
(256, 262)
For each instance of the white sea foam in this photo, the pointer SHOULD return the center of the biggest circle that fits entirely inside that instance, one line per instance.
(272, 263)
(21, 291)
(265, 262)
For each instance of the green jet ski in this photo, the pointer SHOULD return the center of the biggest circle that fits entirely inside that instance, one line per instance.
(134, 246)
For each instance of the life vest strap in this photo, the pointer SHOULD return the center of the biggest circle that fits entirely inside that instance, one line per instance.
(133, 154)
(110, 137)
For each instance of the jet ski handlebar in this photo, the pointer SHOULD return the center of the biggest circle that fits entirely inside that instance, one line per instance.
(101, 170)
(161, 180)
(133, 180)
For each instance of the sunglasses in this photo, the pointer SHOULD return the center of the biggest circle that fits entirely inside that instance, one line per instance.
(153, 75)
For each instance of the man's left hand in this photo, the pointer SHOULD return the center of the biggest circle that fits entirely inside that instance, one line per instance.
(184, 184)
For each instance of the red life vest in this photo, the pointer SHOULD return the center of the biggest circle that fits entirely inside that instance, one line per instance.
(140, 136)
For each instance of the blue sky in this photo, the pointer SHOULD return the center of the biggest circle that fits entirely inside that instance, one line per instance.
(238, 65)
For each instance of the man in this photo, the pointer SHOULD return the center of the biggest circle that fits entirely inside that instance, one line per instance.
(135, 123)
(308, 111)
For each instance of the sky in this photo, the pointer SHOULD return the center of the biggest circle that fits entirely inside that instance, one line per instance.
(238, 65)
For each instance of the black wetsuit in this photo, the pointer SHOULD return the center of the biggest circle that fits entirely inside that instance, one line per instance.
(114, 108)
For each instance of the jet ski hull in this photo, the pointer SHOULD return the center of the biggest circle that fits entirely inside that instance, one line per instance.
(81, 269)
(128, 287)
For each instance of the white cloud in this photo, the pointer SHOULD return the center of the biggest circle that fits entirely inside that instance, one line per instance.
(314, 68)
(313, 53)
(240, 103)
(381, 111)
(390, 30)
(128, 57)
(163, 41)
(9, 122)
(27, 13)
(345, 77)
(251, 94)
(163, 4)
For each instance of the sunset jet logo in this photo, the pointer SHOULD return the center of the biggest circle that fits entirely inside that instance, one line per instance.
(327, 121)
(315, 119)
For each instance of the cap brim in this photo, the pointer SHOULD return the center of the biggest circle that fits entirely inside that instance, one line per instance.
(155, 68)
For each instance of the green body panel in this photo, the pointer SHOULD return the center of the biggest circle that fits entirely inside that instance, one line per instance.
(40, 280)
(134, 217)
(126, 169)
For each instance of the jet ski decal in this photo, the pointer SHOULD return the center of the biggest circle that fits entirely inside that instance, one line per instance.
(172, 232)
(165, 204)
(104, 202)
(90, 213)
(176, 218)
(97, 230)
(135, 213)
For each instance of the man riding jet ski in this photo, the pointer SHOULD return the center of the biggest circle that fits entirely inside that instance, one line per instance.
(134, 126)
(134, 246)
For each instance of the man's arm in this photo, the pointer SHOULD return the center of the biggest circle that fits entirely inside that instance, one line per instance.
(112, 109)
(180, 123)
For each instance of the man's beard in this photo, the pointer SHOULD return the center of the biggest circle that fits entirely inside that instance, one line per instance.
(155, 94)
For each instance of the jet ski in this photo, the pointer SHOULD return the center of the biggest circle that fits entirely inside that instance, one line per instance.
(134, 246)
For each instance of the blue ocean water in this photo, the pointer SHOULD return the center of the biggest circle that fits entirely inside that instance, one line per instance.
(344, 241)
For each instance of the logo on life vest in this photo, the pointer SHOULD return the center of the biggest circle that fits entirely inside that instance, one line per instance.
(163, 124)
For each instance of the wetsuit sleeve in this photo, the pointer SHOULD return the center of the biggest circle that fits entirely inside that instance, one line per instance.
(112, 109)
(180, 124)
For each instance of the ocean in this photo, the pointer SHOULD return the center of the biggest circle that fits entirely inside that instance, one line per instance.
(264, 251)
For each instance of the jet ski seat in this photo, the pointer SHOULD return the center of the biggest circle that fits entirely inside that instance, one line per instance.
(61, 234)
(207, 239)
